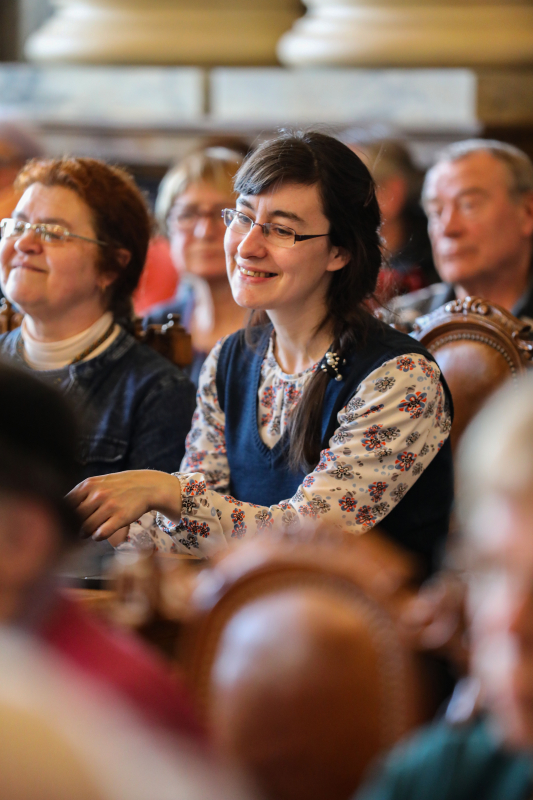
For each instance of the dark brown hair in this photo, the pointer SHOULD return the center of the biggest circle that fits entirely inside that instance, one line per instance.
(349, 202)
(120, 217)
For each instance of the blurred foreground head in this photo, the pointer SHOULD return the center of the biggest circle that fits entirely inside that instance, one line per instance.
(496, 507)
(37, 468)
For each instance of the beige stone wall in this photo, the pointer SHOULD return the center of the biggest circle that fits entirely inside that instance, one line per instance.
(199, 32)
(407, 33)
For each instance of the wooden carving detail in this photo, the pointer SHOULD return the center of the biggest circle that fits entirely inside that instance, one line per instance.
(171, 340)
(481, 316)
(9, 318)
(472, 305)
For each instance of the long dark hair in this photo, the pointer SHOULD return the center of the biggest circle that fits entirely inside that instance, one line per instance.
(349, 202)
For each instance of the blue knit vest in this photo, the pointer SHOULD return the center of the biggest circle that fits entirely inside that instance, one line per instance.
(262, 475)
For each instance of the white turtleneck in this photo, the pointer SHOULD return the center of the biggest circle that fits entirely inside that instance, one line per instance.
(56, 355)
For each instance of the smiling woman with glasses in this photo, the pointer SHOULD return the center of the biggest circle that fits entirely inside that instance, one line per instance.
(317, 410)
(70, 259)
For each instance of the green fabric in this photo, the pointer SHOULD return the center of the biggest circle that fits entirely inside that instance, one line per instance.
(446, 762)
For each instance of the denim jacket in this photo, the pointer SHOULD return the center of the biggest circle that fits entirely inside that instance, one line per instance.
(134, 405)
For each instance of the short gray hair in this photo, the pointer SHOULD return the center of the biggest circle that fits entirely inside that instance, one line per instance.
(518, 164)
(214, 165)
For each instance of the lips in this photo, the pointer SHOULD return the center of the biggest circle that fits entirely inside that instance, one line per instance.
(29, 267)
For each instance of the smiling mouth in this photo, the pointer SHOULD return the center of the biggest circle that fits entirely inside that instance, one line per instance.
(28, 266)
(253, 274)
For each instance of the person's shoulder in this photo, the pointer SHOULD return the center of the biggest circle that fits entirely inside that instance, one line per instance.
(158, 314)
(143, 358)
(443, 762)
(423, 299)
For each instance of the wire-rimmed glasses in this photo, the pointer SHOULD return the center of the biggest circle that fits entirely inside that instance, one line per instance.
(46, 231)
(279, 235)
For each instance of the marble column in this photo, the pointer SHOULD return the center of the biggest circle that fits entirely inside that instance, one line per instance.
(193, 32)
(411, 33)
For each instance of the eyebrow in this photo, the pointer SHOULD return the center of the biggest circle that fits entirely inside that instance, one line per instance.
(462, 193)
(44, 221)
(279, 212)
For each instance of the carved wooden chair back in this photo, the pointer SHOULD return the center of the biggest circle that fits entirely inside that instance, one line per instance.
(478, 346)
(303, 716)
(171, 340)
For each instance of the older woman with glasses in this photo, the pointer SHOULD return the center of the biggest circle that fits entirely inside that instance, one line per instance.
(70, 258)
(189, 210)
(317, 410)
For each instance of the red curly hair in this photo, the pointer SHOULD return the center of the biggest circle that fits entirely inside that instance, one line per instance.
(119, 212)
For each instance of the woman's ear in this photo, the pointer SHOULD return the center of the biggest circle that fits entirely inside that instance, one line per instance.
(123, 256)
(338, 258)
(107, 278)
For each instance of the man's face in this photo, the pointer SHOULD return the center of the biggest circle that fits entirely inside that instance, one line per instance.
(501, 612)
(476, 226)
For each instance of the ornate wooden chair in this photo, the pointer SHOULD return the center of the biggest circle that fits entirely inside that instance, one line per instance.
(478, 346)
(297, 662)
(171, 340)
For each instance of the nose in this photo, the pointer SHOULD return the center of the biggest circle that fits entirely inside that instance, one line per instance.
(28, 242)
(207, 226)
(450, 222)
(252, 245)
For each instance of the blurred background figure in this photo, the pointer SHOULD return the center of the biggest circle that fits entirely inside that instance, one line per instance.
(407, 250)
(189, 209)
(479, 200)
(483, 747)
(17, 145)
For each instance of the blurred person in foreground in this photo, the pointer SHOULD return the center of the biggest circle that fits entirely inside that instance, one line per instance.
(189, 210)
(38, 528)
(484, 746)
(70, 257)
(407, 249)
(478, 198)
(63, 737)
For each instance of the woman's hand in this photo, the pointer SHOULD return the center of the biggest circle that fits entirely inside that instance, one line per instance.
(108, 503)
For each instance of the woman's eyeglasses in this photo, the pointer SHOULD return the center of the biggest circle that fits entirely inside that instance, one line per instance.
(47, 232)
(186, 219)
(279, 235)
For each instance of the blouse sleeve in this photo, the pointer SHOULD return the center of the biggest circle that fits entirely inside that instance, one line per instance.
(388, 433)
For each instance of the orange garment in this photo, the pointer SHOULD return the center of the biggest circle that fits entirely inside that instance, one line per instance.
(159, 279)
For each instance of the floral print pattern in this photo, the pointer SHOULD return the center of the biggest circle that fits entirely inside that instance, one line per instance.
(387, 434)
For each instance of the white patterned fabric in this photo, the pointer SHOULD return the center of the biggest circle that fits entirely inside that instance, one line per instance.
(388, 433)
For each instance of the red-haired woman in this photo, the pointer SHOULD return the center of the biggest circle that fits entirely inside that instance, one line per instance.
(70, 257)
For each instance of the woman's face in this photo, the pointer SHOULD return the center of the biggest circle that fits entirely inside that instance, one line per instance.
(266, 276)
(49, 279)
(196, 231)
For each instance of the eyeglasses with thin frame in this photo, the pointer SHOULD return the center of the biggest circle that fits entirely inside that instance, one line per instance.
(46, 231)
(279, 235)
(187, 219)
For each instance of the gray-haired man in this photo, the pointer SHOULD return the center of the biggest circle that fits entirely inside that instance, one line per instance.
(479, 201)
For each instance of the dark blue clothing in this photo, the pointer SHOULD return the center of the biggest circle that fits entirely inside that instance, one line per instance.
(135, 406)
(183, 305)
(452, 762)
(418, 522)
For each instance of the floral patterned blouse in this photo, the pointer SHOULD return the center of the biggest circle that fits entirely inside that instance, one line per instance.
(388, 433)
